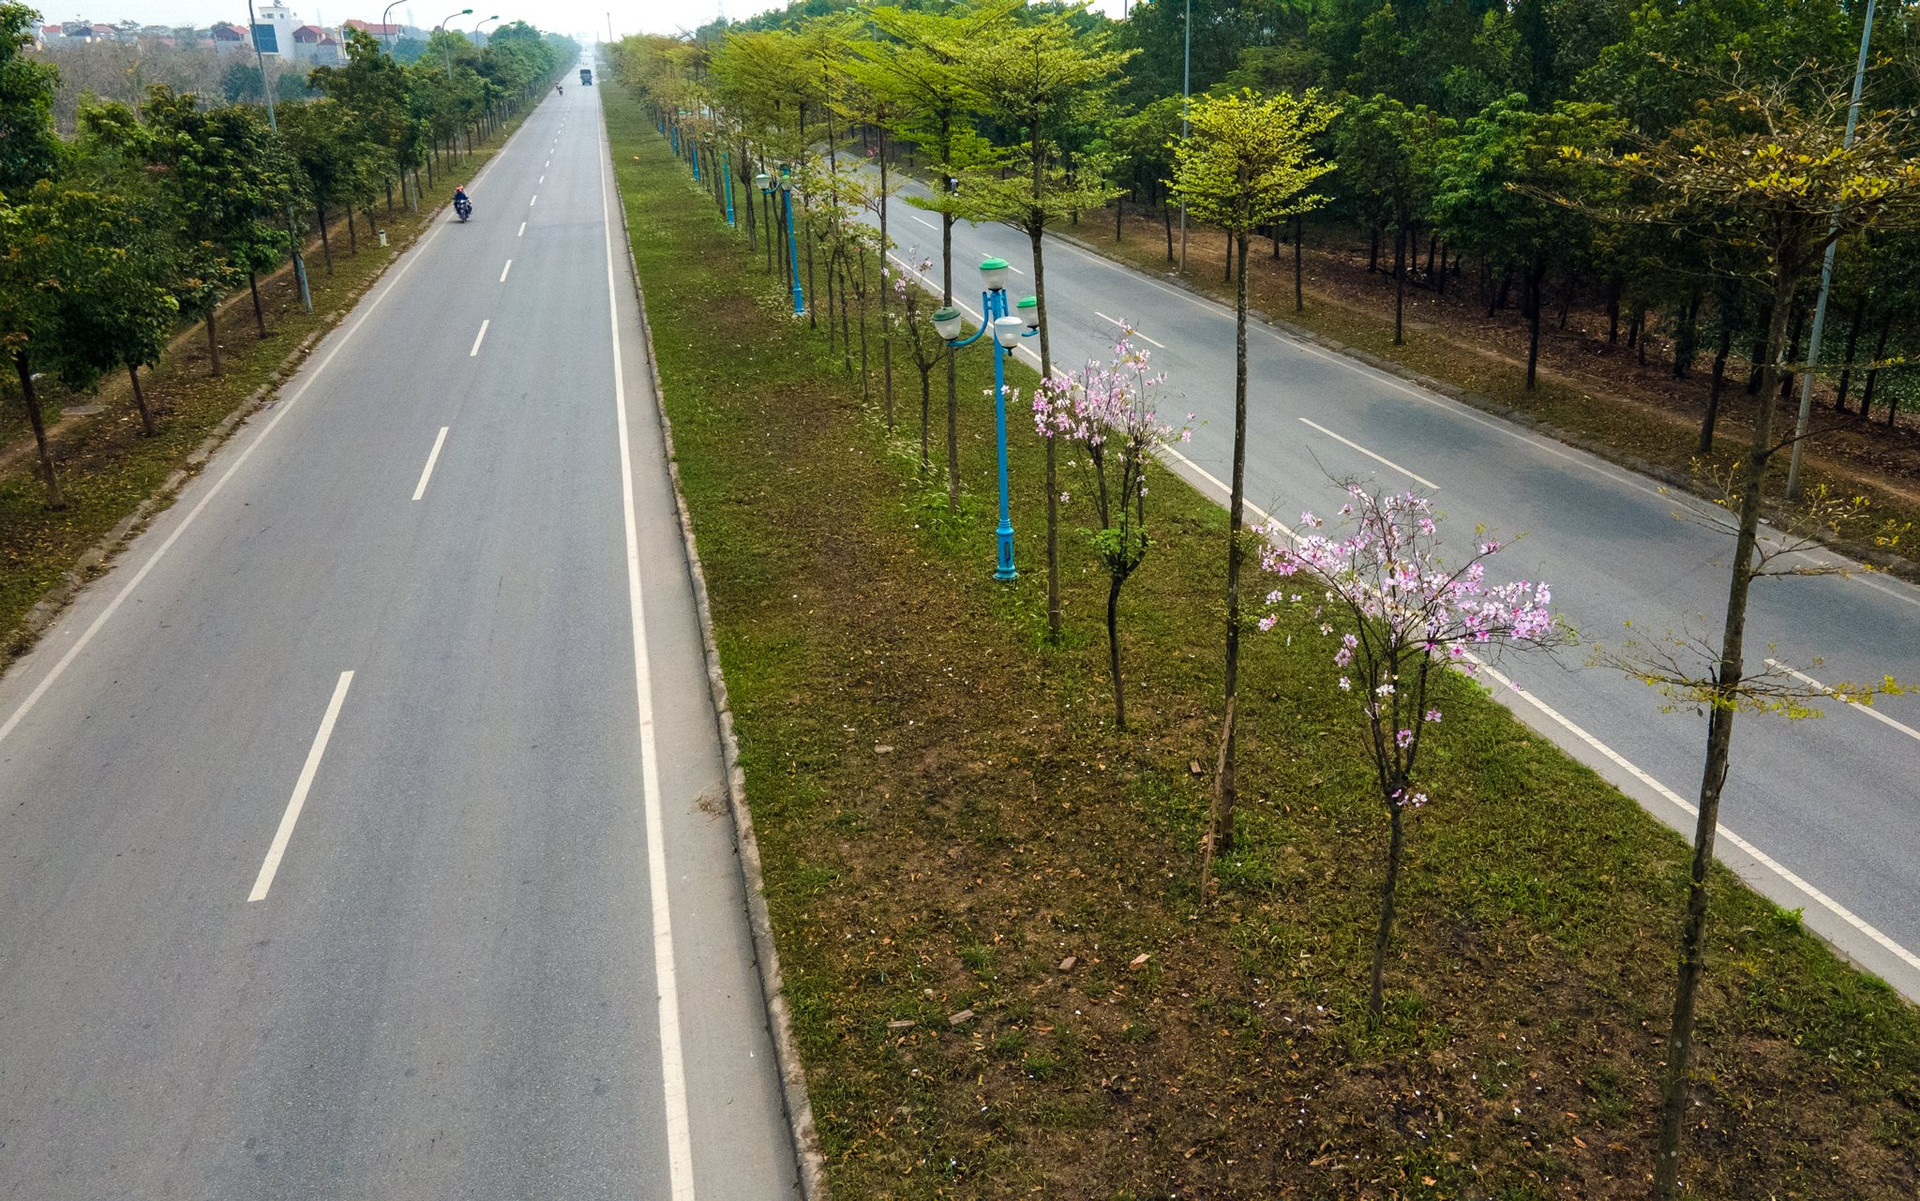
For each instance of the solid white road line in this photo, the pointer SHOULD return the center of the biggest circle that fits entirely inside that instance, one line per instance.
(1869, 710)
(280, 412)
(504, 270)
(924, 221)
(673, 1072)
(1820, 898)
(1376, 458)
(477, 338)
(298, 801)
(523, 230)
(1123, 325)
(433, 456)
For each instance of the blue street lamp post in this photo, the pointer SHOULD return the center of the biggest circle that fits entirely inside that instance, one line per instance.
(793, 249)
(726, 177)
(1007, 332)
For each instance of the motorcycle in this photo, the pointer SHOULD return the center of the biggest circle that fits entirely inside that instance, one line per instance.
(463, 207)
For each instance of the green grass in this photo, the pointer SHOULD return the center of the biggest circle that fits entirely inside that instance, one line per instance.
(107, 468)
(945, 814)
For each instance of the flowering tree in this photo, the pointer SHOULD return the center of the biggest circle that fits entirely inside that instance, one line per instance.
(928, 349)
(1403, 611)
(1106, 411)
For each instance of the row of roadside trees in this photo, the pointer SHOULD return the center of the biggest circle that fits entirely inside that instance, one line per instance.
(1711, 180)
(152, 214)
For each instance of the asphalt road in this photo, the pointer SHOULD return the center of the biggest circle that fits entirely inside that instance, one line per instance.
(1822, 815)
(363, 833)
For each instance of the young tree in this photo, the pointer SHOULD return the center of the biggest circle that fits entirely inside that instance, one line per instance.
(1034, 80)
(1107, 412)
(1248, 162)
(1768, 175)
(923, 343)
(1401, 610)
(922, 52)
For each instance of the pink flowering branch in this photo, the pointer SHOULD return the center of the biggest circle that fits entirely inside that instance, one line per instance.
(1406, 611)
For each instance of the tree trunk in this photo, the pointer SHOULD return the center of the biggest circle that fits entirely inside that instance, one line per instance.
(1119, 216)
(1760, 352)
(1613, 312)
(24, 370)
(1400, 286)
(1727, 678)
(1793, 350)
(1713, 391)
(926, 416)
(1873, 373)
(1506, 290)
(1034, 235)
(213, 340)
(1536, 277)
(1113, 650)
(1846, 357)
(259, 314)
(326, 247)
(806, 223)
(1274, 229)
(1229, 259)
(953, 371)
(1686, 341)
(353, 239)
(1376, 993)
(147, 426)
(1373, 250)
(1299, 295)
(1566, 297)
(1229, 787)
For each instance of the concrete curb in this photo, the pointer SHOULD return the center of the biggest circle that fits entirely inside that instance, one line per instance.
(1876, 558)
(786, 1050)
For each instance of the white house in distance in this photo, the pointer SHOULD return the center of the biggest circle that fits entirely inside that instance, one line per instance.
(295, 40)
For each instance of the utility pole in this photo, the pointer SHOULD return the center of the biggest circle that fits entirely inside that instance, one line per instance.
(1826, 284)
(266, 90)
(1186, 99)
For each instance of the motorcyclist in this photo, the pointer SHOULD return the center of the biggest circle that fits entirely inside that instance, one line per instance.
(559, 89)
(462, 204)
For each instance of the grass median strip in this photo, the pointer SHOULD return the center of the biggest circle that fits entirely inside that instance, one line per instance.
(1001, 977)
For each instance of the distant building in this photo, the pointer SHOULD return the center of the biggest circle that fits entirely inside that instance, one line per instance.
(228, 35)
(379, 31)
(312, 44)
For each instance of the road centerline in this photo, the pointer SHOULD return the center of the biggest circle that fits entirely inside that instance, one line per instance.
(504, 270)
(271, 866)
(433, 456)
(1869, 710)
(1123, 325)
(479, 337)
(1415, 476)
(523, 230)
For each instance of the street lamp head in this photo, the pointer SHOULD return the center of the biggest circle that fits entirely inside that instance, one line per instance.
(764, 182)
(1007, 331)
(946, 323)
(1028, 310)
(786, 182)
(994, 272)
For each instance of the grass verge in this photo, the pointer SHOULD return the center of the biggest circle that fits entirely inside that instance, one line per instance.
(108, 469)
(946, 815)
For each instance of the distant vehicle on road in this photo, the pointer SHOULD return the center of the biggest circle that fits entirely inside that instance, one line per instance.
(586, 77)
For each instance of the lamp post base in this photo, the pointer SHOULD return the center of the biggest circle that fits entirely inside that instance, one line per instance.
(1006, 570)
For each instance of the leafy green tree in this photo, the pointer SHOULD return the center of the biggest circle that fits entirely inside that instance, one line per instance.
(1765, 173)
(63, 260)
(1249, 162)
(922, 51)
(1388, 161)
(1497, 189)
(1033, 80)
(29, 149)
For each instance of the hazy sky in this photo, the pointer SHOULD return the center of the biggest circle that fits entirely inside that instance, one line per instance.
(574, 17)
